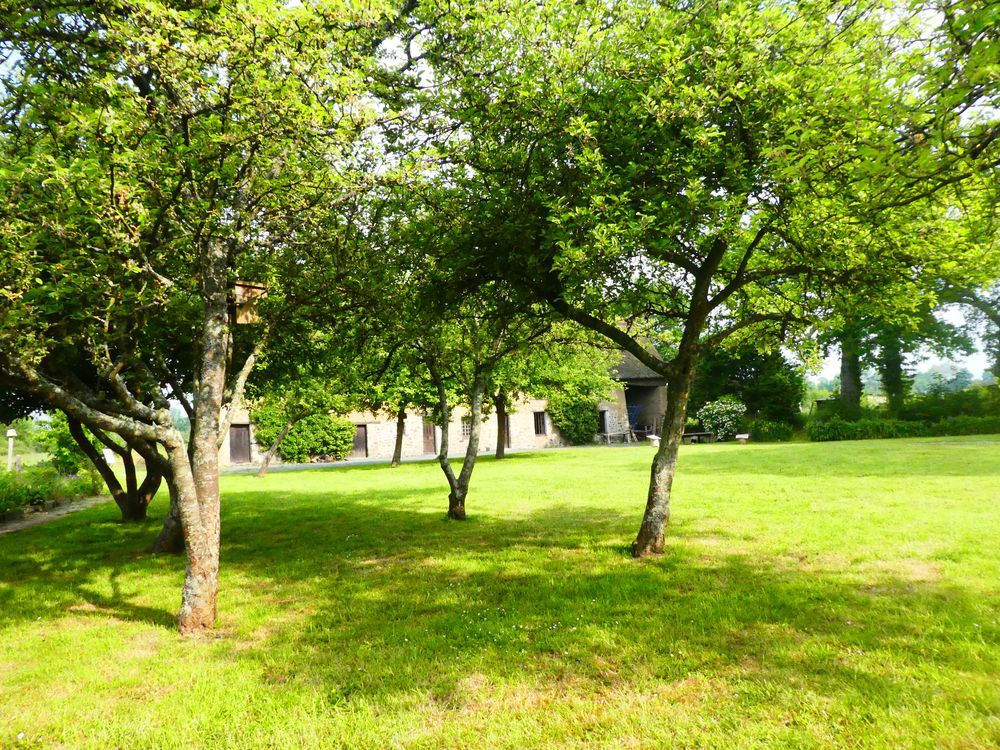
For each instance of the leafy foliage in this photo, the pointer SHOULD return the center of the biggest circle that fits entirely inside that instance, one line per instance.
(771, 388)
(37, 485)
(64, 454)
(722, 417)
(575, 416)
(867, 429)
(978, 401)
(318, 435)
(766, 431)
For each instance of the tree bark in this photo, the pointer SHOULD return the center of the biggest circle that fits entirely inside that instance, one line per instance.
(171, 537)
(273, 450)
(459, 485)
(132, 500)
(500, 405)
(651, 538)
(850, 375)
(894, 379)
(397, 451)
(196, 480)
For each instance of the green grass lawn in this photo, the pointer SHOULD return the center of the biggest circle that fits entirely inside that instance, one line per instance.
(813, 595)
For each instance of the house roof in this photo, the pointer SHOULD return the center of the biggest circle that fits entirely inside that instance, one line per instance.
(632, 369)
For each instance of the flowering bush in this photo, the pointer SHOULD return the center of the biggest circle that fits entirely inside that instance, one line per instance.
(722, 417)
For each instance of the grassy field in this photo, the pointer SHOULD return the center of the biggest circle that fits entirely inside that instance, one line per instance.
(813, 595)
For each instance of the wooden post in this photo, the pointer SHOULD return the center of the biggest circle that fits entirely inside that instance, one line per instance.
(11, 434)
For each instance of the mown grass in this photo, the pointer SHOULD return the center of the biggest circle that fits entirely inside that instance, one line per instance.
(813, 595)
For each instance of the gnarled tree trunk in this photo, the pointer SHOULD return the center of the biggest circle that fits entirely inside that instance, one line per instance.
(652, 533)
(171, 537)
(132, 500)
(196, 478)
(459, 485)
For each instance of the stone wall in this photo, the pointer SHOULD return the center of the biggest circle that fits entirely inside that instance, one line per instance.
(381, 430)
(617, 412)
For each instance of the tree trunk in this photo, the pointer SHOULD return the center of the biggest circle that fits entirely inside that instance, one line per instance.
(273, 450)
(196, 480)
(133, 500)
(459, 485)
(850, 375)
(893, 377)
(171, 537)
(397, 451)
(652, 533)
(500, 405)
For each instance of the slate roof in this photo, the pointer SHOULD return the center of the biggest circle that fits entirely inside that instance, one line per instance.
(632, 369)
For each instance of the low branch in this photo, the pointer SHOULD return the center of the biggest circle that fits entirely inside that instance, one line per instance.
(614, 333)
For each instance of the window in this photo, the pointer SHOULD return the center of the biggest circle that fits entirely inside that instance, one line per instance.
(540, 423)
(466, 427)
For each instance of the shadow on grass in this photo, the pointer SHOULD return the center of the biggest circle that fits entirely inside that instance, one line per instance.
(372, 596)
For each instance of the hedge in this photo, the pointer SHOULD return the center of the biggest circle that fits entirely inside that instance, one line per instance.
(866, 429)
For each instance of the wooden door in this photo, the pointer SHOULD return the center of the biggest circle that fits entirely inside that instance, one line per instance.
(360, 441)
(239, 444)
(430, 437)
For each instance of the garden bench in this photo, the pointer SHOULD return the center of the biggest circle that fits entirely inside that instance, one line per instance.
(698, 437)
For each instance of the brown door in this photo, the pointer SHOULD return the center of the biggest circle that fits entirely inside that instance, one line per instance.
(430, 441)
(239, 444)
(360, 441)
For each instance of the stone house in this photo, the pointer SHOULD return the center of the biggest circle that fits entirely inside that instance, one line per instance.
(633, 410)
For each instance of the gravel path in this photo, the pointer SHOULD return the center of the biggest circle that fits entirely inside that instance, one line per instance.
(36, 519)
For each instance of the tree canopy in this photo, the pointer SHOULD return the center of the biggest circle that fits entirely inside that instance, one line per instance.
(187, 190)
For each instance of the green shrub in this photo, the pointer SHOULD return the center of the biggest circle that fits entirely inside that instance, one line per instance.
(836, 428)
(36, 485)
(316, 436)
(979, 401)
(576, 417)
(722, 417)
(767, 431)
(867, 429)
(966, 426)
(64, 454)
